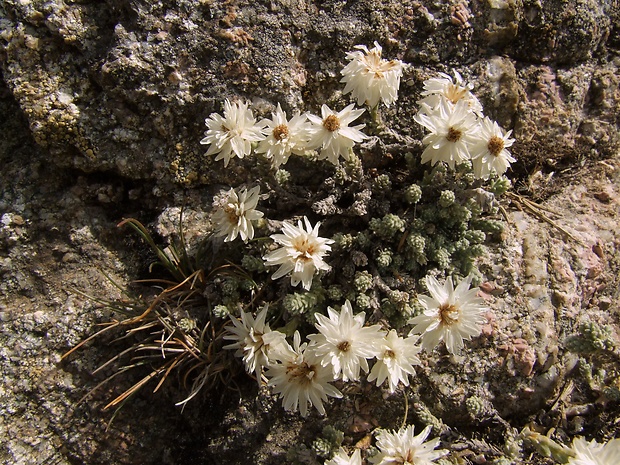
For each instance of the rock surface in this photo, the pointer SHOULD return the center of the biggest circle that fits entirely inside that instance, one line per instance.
(124, 87)
(103, 107)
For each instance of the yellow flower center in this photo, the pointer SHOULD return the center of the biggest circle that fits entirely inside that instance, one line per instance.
(230, 131)
(454, 134)
(344, 346)
(495, 146)
(448, 314)
(389, 354)
(455, 93)
(232, 212)
(409, 458)
(377, 66)
(301, 374)
(305, 247)
(280, 132)
(331, 123)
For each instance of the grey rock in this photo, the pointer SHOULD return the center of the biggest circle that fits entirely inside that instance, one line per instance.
(102, 109)
(125, 87)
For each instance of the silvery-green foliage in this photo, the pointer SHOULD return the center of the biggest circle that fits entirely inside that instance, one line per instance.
(592, 337)
(329, 442)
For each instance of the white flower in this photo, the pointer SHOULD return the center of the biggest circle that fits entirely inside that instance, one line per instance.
(341, 458)
(451, 315)
(452, 90)
(254, 341)
(235, 214)
(489, 154)
(284, 137)
(593, 453)
(301, 253)
(371, 78)
(403, 447)
(453, 130)
(395, 360)
(344, 342)
(332, 133)
(449, 112)
(233, 134)
(300, 379)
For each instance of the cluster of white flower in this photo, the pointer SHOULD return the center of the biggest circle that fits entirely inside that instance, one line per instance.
(343, 346)
(449, 110)
(340, 351)
(370, 79)
(278, 138)
(457, 129)
(302, 250)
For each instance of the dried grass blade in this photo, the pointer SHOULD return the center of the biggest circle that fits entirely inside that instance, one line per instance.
(136, 387)
(109, 326)
(115, 358)
(539, 211)
(174, 363)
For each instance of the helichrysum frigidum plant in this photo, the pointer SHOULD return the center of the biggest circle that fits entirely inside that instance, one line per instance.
(344, 344)
(232, 135)
(235, 214)
(299, 378)
(332, 134)
(399, 229)
(370, 78)
(450, 314)
(403, 446)
(284, 137)
(301, 254)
